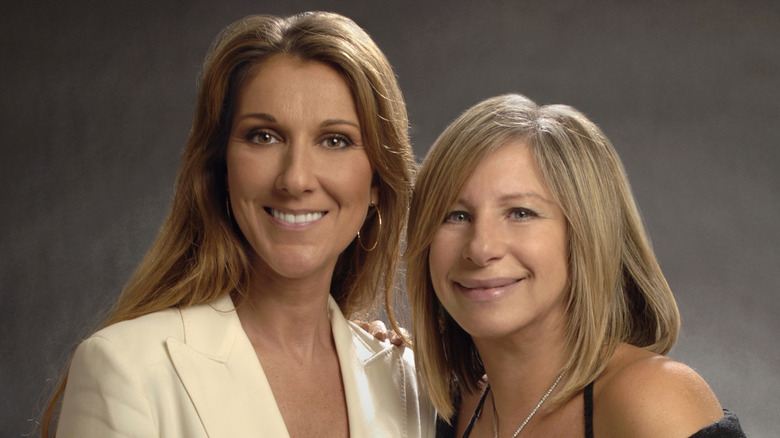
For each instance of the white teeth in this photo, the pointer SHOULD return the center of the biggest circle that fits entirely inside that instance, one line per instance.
(296, 218)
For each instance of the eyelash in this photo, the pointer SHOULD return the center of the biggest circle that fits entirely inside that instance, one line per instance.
(449, 218)
(250, 137)
(347, 142)
(463, 216)
(526, 212)
(343, 140)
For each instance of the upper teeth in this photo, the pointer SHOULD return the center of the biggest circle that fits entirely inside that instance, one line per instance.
(296, 218)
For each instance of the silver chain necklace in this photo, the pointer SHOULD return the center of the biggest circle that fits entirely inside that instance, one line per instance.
(538, 405)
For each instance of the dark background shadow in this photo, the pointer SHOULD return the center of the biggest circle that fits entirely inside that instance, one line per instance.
(96, 100)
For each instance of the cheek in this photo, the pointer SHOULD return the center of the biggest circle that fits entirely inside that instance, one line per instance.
(562, 250)
(358, 187)
(440, 259)
(240, 172)
(556, 258)
(246, 173)
(361, 177)
(349, 178)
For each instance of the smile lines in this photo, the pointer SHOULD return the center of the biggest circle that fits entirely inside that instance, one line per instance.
(295, 218)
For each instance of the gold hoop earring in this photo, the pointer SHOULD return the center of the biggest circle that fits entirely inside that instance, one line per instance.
(360, 241)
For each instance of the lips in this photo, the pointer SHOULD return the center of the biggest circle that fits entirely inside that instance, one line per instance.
(485, 290)
(490, 283)
(295, 218)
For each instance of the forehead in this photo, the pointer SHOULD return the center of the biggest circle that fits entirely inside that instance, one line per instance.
(290, 83)
(509, 169)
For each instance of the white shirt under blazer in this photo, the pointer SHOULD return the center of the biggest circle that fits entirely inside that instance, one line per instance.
(193, 373)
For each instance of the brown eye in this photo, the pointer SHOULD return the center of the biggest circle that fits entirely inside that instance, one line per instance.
(262, 137)
(336, 142)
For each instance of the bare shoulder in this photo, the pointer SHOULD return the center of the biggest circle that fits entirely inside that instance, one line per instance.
(645, 394)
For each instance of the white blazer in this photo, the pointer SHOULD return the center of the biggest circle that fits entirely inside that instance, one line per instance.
(193, 373)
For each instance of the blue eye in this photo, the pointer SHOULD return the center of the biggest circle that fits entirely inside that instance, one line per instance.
(261, 137)
(521, 213)
(336, 141)
(456, 217)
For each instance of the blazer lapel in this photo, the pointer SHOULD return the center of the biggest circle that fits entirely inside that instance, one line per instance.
(222, 375)
(370, 372)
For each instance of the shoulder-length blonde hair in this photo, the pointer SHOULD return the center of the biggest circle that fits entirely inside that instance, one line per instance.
(616, 291)
(200, 255)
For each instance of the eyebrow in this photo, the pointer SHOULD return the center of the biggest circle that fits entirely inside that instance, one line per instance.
(324, 124)
(513, 196)
(331, 122)
(508, 197)
(264, 116)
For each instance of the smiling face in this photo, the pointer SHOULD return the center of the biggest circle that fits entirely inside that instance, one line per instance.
(498, 262)
(299, 179)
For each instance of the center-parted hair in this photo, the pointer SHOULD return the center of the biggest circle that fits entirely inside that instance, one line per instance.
(616, 290)
(200, 253)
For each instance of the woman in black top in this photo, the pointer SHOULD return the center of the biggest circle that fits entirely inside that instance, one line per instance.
(538, 306)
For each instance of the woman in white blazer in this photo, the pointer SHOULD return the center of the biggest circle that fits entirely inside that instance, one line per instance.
(287, 218)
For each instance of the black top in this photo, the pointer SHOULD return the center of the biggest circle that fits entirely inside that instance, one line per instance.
(726, 427)
(588, 395)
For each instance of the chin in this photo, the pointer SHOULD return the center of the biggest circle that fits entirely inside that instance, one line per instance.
(291, 266)
(487, 326)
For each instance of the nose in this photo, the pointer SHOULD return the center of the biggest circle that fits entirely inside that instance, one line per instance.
(297, 170)
(486, 243)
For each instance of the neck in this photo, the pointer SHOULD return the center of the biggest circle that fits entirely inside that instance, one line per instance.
(287, 316)
(520, 370)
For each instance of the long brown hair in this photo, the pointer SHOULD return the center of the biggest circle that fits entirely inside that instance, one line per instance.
(617, 292)
(200, 255)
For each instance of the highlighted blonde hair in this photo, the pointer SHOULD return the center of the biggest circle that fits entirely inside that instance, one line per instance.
(617, 292)
(200, 255)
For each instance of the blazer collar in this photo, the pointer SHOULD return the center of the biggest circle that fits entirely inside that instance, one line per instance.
(225, 381)
(222, 375)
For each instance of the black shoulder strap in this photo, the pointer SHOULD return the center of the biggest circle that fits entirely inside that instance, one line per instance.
(467, 432)
(589, 410)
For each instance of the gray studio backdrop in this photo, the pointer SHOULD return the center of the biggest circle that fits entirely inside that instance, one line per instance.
(96, 101)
